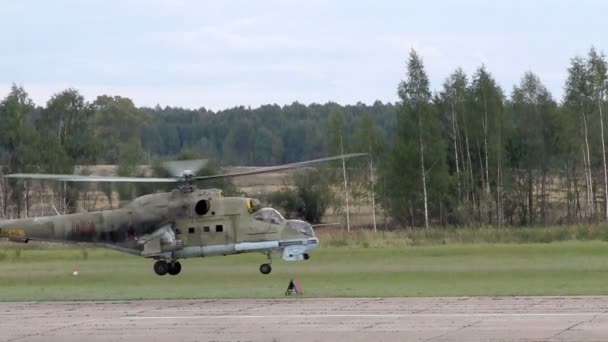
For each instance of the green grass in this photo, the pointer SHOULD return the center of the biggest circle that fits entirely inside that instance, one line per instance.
(463, 235)
(563, 268)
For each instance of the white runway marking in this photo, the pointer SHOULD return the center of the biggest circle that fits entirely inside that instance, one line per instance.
(523, 314)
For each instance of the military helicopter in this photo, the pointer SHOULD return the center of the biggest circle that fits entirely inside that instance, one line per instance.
(186, 222)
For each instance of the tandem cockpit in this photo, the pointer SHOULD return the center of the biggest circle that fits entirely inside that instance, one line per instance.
(272, 216)
(269, 215)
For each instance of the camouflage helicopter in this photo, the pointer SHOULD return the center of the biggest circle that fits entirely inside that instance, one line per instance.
(186, 222)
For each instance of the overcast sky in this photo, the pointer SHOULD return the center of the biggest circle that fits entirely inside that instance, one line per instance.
(219, 54)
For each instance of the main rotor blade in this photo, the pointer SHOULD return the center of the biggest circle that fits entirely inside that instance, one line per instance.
(78, 178)
(281, 167)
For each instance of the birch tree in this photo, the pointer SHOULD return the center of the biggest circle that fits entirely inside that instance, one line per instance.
(577, 101)
(416, 166)
(533, 142)
(456, 119)
(597, 72)
(486, 102)
(452, 96)
(415, 98)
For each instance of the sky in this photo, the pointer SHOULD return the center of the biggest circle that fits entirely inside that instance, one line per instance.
(221, 54)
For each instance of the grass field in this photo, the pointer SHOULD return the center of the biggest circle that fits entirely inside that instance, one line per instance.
(562, 268)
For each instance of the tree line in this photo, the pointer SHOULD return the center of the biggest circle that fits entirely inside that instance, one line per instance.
(472, 154)
(68, 131)
(469, 153)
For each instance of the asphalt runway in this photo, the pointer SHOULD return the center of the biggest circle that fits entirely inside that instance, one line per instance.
(298, 319)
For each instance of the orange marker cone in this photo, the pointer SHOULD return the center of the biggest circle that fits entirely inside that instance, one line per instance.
(75, 272)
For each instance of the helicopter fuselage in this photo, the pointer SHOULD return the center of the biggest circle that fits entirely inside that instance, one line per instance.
(176, 225)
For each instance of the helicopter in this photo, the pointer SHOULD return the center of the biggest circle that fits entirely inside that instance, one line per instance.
(186, 222)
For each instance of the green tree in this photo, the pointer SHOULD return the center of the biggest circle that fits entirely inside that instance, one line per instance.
(130, 156)
(19, 142)
(453, 101)
(338, 144)
(416, 169)
(534, 115)
(68, 119)
(239, 143)
(452, 97)
(578, 102)
(309, 199)
(267, 148)
(486, 122)
(368, 139)
(597, 71)
(336, 127)
(117, 121)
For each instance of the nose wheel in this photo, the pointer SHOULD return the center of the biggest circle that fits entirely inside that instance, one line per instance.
(266, 268)
(162, 267)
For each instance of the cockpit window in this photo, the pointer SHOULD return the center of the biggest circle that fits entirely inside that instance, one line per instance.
(301, 227)
(268, 215)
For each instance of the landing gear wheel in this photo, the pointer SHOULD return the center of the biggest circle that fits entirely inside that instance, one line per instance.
(265, 268)
(161, 267)
(174, 268)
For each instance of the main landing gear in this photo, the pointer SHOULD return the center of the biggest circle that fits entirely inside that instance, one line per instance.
(266, 268)
(162, 267)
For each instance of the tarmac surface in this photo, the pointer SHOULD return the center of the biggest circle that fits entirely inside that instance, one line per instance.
(300, 319)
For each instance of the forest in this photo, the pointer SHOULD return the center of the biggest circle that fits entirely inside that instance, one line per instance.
(469, 153)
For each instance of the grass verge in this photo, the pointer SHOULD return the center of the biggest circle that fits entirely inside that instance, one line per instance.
(563, 268)
(461, 235)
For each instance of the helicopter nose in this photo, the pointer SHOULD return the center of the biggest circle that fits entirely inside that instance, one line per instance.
(299, 246)
(313, 240)
(312, 230)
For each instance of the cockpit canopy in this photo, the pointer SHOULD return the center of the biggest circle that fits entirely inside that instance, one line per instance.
(272, 216)
(268, 215)
(301, 227)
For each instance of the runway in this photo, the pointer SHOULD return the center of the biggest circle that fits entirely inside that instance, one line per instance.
(300, 319)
